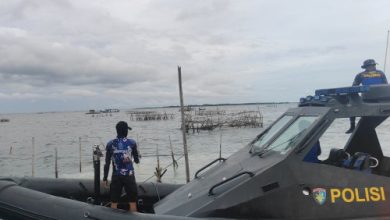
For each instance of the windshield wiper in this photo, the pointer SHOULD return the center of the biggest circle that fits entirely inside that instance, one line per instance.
(290, 141)
(252, 144)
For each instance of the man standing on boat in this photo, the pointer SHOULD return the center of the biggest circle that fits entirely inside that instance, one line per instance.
(121, 151)
(370, 76)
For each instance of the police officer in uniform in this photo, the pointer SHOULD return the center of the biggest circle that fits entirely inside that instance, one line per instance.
(121, 151)
(370, 76)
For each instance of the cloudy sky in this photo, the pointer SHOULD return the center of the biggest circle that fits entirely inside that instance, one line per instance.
(81, 54)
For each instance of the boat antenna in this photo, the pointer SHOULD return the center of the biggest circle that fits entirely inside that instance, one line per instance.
(387, 45)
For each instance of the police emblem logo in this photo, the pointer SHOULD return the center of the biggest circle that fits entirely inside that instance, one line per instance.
(319, 195)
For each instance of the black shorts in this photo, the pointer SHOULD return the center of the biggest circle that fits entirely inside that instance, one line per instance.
(127, 182)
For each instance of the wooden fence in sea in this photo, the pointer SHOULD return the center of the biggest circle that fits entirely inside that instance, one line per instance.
(149, 115)
(209, 120)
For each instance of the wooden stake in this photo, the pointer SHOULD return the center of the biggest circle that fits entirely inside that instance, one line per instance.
(33, 157)
(159, 173)
(138, 146)
(183, 127)
(158, 168)
(387, 45)
(220, 145)
(79, 154)
(56, 163)
(174, 162)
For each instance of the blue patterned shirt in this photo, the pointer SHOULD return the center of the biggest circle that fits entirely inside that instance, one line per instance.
(121, 151)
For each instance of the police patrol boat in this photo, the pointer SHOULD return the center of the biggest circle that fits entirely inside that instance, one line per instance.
(276, 176)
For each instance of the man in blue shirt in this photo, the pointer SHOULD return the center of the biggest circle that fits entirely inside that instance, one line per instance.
(121, 151)
(312, 155)
(370, 76)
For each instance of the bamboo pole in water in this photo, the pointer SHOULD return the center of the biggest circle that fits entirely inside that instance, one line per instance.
(158, 168)
(387, 45)
(80, 154)
(138, 147)
(33, 157)
(183, 129)
(56, 163)
(220, 145)
(174, 162)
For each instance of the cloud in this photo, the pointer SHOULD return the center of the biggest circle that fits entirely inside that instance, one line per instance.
(230, 51)
(40, 62)
(79, 92)
(20, 96)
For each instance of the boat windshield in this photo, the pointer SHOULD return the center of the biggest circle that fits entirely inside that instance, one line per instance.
(259, 143)
(287, 139)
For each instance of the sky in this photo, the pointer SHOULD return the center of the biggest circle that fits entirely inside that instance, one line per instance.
(66, 55)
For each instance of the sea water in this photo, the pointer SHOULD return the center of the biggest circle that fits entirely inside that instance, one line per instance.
(45, 132)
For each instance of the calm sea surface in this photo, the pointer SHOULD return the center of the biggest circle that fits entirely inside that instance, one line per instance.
(62, 130)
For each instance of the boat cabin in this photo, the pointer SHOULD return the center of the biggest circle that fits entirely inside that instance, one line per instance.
(303, 166)
(364, 148)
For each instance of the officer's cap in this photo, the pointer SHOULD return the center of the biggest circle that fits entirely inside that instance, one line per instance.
(369, 62)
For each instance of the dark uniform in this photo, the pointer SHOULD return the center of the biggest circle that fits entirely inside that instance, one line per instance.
(370, 76)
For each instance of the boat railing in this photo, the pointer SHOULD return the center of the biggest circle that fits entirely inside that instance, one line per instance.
(211, 163)
(211, 193)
